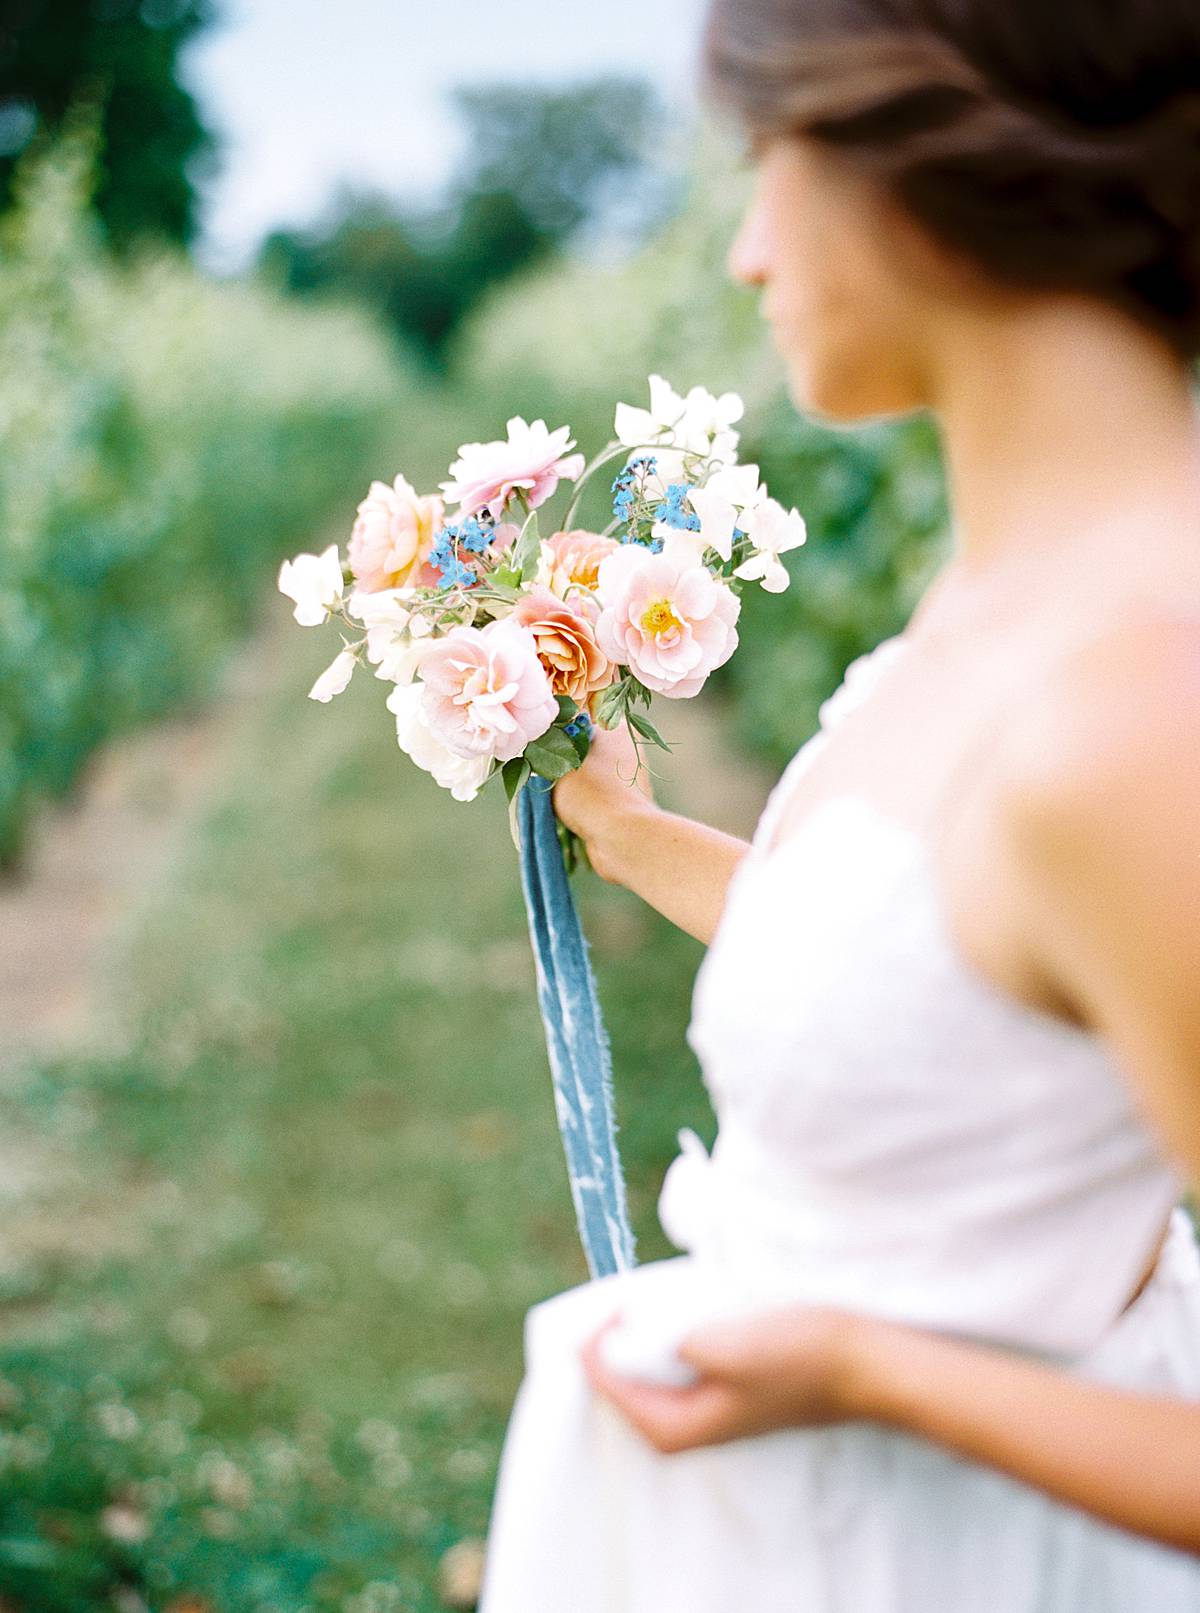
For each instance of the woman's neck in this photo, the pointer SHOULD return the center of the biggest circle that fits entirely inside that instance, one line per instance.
(1068, 431)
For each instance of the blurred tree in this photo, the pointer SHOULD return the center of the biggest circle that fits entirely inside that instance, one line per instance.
(541, 166)
(122, 55)
(559, 154)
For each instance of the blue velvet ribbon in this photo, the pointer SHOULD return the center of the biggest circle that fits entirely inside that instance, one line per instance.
(580, 1055)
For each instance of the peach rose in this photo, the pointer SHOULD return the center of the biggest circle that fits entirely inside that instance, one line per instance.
(574, 557)
(392, 536)
(566, 643)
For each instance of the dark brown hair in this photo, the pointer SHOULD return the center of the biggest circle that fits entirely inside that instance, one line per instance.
(1054, 143)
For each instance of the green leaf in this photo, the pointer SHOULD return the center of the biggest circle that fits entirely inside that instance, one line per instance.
(566, 706)
(527, 551)
(647, 729)
(552, 754)
(554, 739)
(611, 703)
(570, 844)
(514, 823)
(581, 741)
(514, 773)
(549, 764)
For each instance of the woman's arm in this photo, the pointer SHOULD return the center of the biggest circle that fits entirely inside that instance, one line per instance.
(680, 867)
(1130, 1459)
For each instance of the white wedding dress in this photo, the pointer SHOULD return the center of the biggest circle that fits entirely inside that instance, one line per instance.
(895, 1135)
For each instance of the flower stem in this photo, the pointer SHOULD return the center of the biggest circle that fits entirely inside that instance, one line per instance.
(610, 451)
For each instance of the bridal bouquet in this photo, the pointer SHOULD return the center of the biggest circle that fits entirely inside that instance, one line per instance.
(505, 644)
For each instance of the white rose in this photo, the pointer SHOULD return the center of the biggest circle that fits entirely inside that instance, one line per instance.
(461, 775)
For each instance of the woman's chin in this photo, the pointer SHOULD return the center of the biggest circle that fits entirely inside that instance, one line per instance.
(844, 394)
(817, 393)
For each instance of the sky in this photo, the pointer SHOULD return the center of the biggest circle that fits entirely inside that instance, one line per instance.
(304, 94)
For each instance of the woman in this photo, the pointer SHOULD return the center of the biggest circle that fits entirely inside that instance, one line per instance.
(935, 1341)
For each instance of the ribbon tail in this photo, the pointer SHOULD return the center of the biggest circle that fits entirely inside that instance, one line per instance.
(576, 1040)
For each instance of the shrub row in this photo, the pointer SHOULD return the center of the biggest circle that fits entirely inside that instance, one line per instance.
(163, 438)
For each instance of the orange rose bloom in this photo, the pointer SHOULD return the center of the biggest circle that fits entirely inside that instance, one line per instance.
(577, 556)
(566, 643)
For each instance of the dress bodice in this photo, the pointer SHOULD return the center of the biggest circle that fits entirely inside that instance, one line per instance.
(895, 1131)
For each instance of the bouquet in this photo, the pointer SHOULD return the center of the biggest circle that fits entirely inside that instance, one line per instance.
(504, 646)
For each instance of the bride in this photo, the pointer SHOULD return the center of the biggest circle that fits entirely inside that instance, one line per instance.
(934, 1339)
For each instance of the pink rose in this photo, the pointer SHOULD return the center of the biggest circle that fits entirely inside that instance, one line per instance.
(485, 691)
(392, 536)
(665, 616)
(566, 643)
(575, 558)
(486, 474)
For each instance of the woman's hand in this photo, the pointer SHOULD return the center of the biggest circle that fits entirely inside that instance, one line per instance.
(786, 1368)
(1127, 1457)
(610, 784)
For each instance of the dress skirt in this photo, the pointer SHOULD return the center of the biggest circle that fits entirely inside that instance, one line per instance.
(849, 1518)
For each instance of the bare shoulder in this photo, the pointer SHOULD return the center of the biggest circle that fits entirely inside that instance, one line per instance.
(1099, 813)
(1113, 739)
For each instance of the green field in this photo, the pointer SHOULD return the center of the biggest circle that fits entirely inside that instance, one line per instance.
(310, 1201)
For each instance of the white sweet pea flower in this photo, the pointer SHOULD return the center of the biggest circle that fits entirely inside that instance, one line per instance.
(334, 678)
(766, 568)
(391, 628)
(680, 538)
(723, 505)
(710, 420)
(774, 530)
(718, 517)
(463, 776)
(699, 424)
(314, 582)
(657, 423)
(739, 484)
(383, 608)
(398, 660)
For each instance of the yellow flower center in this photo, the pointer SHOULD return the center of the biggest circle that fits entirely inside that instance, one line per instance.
(659, 617)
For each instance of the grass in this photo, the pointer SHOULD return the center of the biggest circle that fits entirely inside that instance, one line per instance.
(269, 1364)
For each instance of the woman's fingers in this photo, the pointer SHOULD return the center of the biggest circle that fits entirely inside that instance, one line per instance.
(705, 1413)
(723, 1348)
(669, 1419)
(596, 798)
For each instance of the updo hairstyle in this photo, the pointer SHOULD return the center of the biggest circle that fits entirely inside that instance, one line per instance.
(1053, 143)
